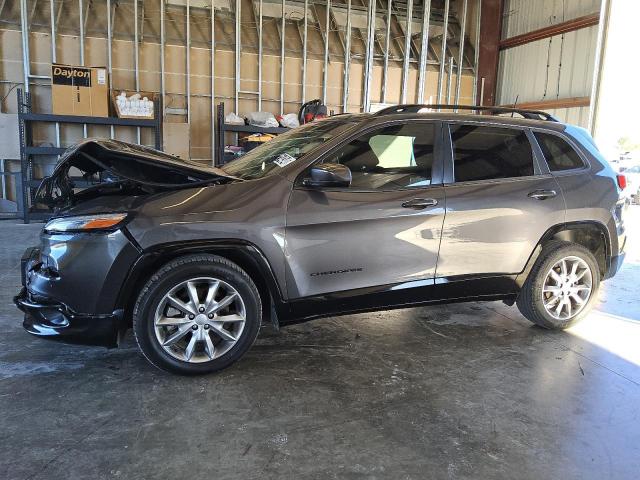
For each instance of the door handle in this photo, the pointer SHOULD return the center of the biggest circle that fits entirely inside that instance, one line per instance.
(420, 203)
(542, 194)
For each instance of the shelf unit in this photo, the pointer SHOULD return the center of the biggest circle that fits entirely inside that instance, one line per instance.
(222, 128)
(26, 184)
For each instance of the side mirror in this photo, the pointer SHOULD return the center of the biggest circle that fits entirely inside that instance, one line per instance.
(328, 175)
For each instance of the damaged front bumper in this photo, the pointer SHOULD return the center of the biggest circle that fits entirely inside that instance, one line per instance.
(53, 320)
(48, 317)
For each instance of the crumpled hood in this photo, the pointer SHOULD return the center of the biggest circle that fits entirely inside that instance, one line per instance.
(111, 167)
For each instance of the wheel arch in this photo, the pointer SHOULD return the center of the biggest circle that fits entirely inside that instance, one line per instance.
(591, 234)
(246, 255)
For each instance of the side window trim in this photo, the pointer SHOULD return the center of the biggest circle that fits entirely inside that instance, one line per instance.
(586, 165)
(449, 156)
(436, 170)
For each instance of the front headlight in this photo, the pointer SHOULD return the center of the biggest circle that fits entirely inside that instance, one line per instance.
(85, 223)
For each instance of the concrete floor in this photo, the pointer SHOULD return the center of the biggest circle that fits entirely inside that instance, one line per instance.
(460, 391)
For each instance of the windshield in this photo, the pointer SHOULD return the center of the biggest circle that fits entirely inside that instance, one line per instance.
(286, 148)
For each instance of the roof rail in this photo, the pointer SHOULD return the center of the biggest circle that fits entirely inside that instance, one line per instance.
(415, 108)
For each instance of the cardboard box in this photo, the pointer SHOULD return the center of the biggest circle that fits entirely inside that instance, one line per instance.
(79, 90)
(150, 96)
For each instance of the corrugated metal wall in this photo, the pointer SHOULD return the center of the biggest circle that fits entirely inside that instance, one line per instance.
(522, 16)
(559, 67)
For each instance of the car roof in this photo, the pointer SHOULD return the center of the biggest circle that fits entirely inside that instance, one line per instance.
(505, 119)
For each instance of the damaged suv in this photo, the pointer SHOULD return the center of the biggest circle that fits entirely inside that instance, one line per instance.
(354, 213)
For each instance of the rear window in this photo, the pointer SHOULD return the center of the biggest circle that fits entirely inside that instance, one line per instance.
(558, 153)
(485, 153)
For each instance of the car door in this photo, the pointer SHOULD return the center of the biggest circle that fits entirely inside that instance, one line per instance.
(500, 201)
(384, 228)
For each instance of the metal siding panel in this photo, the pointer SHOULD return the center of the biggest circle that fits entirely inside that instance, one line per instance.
(523, 70)
(524, 16)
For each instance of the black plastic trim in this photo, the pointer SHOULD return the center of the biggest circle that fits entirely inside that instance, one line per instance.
(56, 321)
(152, 258)
(403, 295)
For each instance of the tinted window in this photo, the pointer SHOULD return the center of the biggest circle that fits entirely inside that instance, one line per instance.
(394, 157)
(483, 153)
(559, 154)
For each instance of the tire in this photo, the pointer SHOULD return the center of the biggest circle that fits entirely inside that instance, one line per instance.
(532, 299)
(166, 310)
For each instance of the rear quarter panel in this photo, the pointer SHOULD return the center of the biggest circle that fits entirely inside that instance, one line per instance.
(592, 194)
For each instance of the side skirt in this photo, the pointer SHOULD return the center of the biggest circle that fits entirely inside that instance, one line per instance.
(404, 295)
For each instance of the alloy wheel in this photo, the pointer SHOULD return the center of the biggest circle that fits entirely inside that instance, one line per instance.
(567, 288)
(199, 319)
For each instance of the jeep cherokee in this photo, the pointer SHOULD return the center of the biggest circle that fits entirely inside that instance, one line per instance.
(354, 213)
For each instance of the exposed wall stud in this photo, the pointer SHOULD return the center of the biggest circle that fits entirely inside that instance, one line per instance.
(387, 44)
(136, 55)
(260, 55)
(463, 27)
(443, 54)
(368, 67)
(347, 61)
(81, 21)
(424, 49)
(325, 73)
(162, 54)
(188, 64)
(304, 51)
(477, 51)
(282, 40)
(407, 52)
(54, 54)
(450, 81)
(237, 57)
(112, 132)
(213, 79)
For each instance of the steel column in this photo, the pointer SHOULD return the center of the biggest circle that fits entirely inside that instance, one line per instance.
(424, 49)
(463, 27)
(407, 52)
(603, 30)
(347, 61)
(443, 56)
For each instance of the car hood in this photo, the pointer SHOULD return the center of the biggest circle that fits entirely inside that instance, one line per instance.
(98, 167)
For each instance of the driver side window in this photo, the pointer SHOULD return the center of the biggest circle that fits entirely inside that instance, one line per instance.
(395, 157)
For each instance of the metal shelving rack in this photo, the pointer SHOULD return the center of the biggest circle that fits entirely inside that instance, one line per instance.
(222, 128)
(26, 184)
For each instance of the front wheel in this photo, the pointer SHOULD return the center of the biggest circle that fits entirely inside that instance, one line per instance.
(561, 287)
(197, 314)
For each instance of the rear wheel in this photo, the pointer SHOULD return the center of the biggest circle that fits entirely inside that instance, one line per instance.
(197, 314)
(561, 287)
